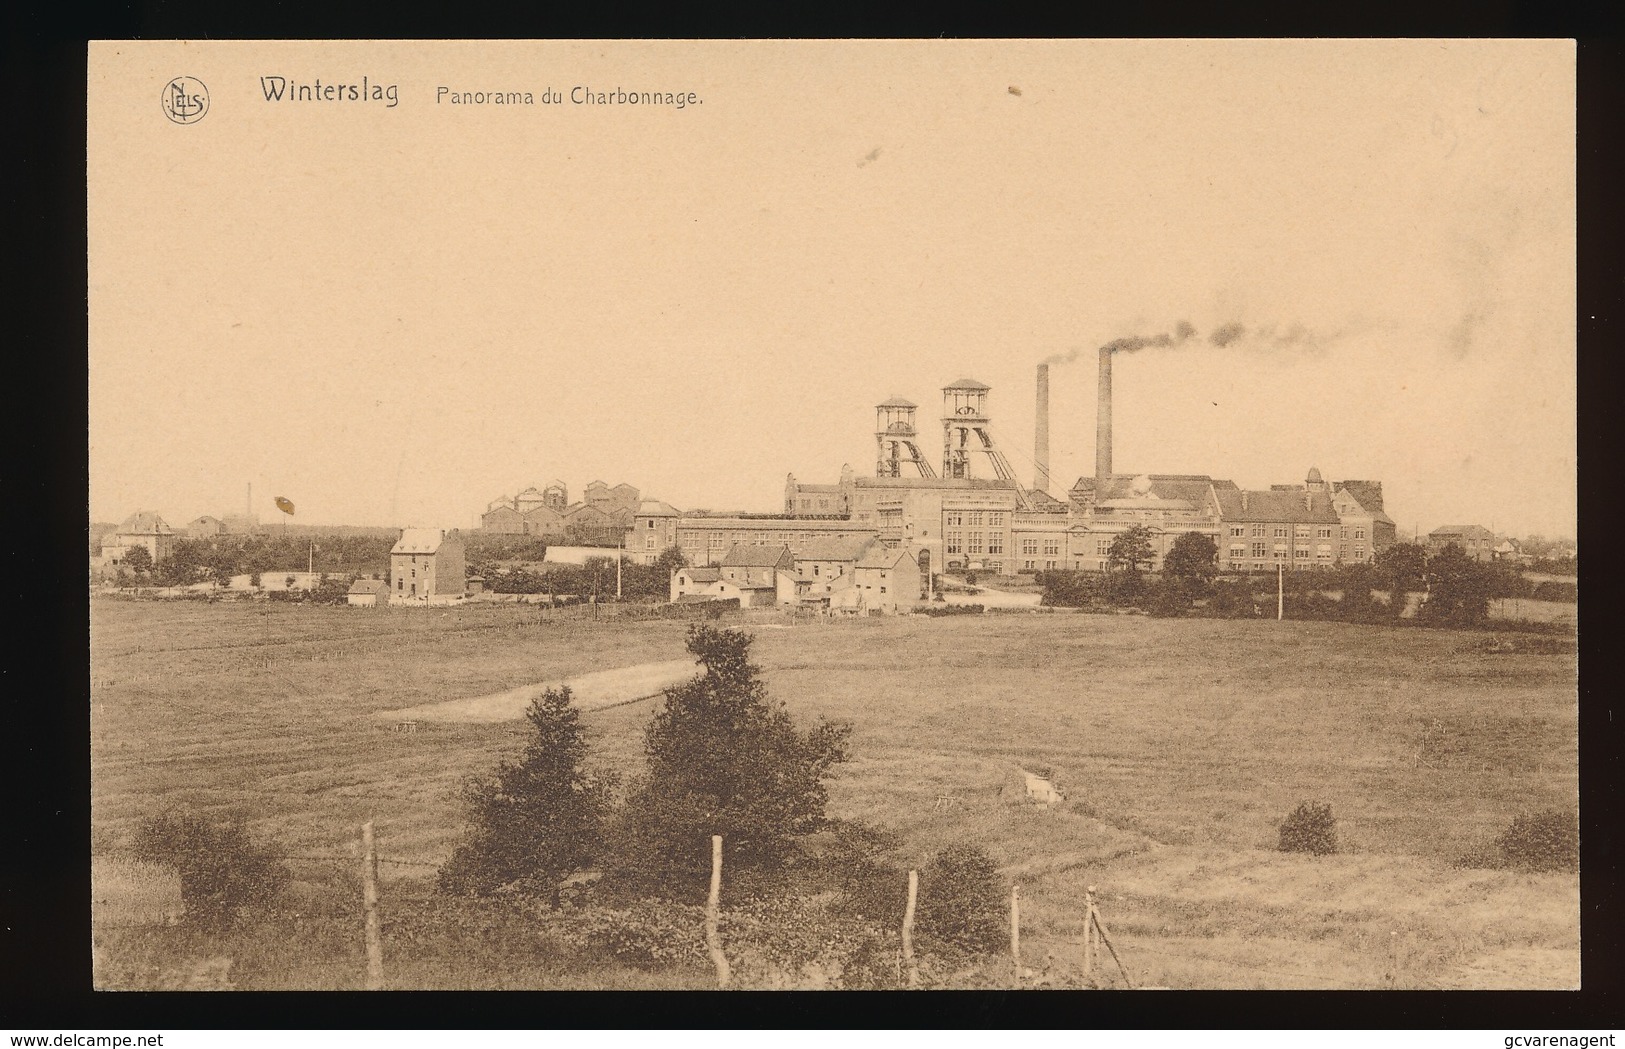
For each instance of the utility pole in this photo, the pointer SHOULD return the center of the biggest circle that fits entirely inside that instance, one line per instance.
(1280, 592)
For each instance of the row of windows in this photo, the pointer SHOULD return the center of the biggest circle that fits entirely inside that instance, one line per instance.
(1299, 531)
(994, 518)
(1051, 547)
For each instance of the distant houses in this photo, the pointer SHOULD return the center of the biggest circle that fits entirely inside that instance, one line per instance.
(1476, 541)
(142, 529)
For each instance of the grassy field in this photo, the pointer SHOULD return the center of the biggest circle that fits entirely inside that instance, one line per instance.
(1180, 745)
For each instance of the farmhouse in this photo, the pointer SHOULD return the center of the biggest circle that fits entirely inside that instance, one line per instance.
(689, 581)
(426, 566)
(368, 593)
(762, 575)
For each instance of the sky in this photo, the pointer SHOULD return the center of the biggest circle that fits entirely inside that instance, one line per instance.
(395, 315)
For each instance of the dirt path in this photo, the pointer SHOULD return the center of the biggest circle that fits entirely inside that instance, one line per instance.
(595, 691)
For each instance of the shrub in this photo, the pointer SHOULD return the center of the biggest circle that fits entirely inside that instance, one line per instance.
(1166, 600)
(1541, 841)
(953, 610)
(872, 887)
(961, 899)
(540, 818)
(223, 872)
(1310, 828)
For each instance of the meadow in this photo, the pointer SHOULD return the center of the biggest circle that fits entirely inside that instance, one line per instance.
(1179, 745)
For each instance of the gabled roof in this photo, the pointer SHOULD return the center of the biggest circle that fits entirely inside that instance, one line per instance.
(1189, 487)
(419, 541)
(702, 575)
(1465, 531)
(747, 555)
(897, 402)
(144, 524)
(1302, 507)
(1367, 493)
(368, 586)
(827, 548)
(883, 558)
(656, 508)
(967, 384)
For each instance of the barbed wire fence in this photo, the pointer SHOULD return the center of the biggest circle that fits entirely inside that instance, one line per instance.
(1097, 942)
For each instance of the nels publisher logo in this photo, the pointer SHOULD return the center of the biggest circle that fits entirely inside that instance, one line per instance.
(185, 100)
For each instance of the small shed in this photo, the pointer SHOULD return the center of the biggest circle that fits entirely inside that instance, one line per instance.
(368, 592)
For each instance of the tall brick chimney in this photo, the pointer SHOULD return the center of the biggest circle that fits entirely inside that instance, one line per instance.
(1041, 433)
(1103, 426)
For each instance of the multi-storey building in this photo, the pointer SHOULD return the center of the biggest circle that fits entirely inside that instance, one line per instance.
(426, 565)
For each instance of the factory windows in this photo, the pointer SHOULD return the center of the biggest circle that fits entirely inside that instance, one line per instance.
(1027, 566)
(1343, 533)
(995, 542)
(1052, 547)
(648, 542)
(1359, 553)
(976, 541)
(996, 519)
(1280, 532)
(1258, 531)
(953, 518)
(1325, 533)
(1103, 546)
(1238, 550)
(1359, 533)
(1238, 530)
(975, 517)
(1029, 547)
(954, 542)
(995, 567)
(1302, 531)
(1301, 552)
(1049, 564)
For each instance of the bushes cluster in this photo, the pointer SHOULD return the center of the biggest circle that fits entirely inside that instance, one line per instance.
(962, 900)
(946, 609)
(1541, 841)
(1310, 828)
(224, 872)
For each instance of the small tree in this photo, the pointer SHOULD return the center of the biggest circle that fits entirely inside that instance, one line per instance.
(962, 899)
(1459, 588)
(223, 871)
(724, 759)
(138, 559)
(1131, 550)
(540, 817)
(1401, 568)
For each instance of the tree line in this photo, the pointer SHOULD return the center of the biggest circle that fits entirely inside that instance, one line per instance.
(1457, 589)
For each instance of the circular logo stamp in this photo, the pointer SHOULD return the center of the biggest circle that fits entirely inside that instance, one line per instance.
(185, 100)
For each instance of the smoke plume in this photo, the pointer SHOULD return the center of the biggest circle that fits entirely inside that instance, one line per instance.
(1182, 332)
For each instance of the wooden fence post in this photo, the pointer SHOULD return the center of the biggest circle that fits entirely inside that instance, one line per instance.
(713, 936)
(1089, 931)
(1015, 924)
(369, 902)
(908, 929)
(1100, 929)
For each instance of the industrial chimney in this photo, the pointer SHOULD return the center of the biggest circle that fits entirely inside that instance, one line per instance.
(1041, 434)
(1103, 426)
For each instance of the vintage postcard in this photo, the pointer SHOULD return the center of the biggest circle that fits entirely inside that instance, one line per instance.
(1006, 514)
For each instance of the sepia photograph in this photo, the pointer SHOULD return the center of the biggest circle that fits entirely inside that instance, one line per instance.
(805, 515)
